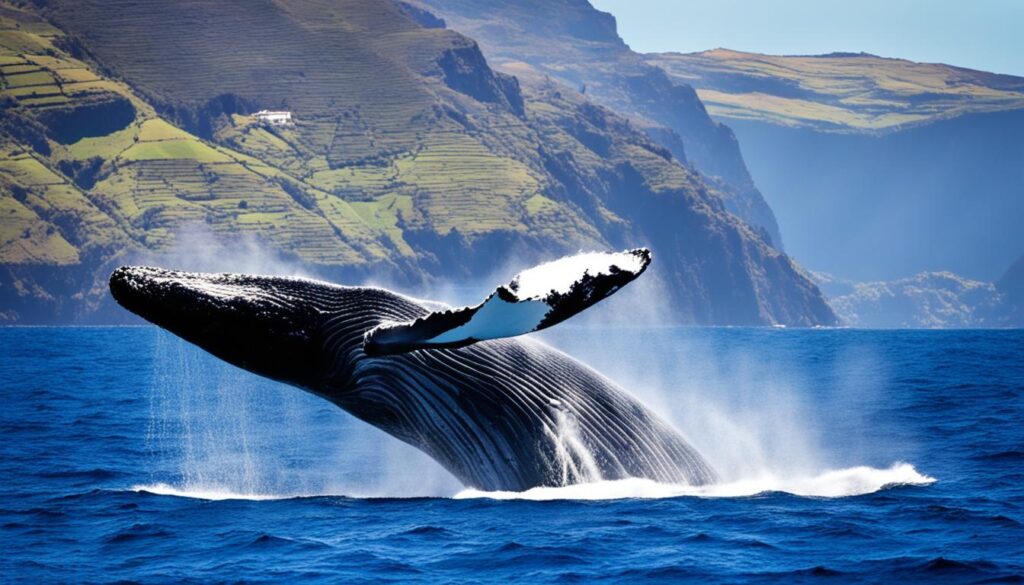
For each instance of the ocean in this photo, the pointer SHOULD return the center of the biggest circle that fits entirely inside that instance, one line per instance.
(845, 455)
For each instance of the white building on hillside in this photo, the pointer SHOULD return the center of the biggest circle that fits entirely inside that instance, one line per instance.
(275, 117)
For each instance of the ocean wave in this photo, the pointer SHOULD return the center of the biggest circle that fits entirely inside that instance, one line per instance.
(853, 481)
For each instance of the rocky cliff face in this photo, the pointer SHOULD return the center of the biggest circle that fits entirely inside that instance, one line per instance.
(409, 161)
(876, 168)
(570, 41)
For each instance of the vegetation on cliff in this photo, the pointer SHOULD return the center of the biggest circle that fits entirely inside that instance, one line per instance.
(410, 159)
(838, 92)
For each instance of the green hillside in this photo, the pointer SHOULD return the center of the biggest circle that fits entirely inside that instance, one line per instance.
(841, 92)
(409, 159)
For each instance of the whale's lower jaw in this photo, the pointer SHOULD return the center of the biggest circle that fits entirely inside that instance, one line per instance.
(500, 415)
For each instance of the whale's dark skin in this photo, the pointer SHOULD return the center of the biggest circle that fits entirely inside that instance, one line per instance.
(507, 414)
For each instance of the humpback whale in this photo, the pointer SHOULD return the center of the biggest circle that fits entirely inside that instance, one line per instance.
(499, 411)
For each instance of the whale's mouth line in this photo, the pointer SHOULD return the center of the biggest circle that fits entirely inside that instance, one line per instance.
(840, 483)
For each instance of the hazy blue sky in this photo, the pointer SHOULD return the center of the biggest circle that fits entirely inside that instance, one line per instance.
(980, 34)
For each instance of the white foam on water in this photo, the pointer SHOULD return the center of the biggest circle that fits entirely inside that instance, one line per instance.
(839, 483)
(853, 481)
(205, 493)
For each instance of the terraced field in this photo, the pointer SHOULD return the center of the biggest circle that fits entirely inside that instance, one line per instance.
(409, 158)
(846, 92)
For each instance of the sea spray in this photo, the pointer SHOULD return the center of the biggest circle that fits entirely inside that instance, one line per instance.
(751, 414)
(838, 483)
(196, 247)
(202, 433)
(216, 429)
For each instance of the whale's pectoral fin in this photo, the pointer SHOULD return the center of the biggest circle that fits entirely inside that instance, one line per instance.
(535, 299)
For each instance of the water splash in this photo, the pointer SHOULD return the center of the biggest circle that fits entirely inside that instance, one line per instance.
(749, 413)
(573, 456)
(217, 429)
(201, 421)
(854, 481)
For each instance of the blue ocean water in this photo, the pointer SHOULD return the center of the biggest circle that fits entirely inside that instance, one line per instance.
(127, 455)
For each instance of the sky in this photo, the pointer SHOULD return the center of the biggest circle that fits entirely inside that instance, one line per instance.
(979, 34)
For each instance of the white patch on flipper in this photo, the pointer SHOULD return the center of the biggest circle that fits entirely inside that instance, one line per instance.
(497, 318)
(535, 299)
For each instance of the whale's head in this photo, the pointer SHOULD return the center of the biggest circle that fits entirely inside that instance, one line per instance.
(282, 328)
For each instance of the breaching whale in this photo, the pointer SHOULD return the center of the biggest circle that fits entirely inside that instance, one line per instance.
(498, 412)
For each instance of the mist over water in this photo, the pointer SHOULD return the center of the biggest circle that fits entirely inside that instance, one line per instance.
(759, 419)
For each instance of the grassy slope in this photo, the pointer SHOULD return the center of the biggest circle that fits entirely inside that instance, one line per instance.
(370, 125)
(36, 199)
(860, 93)
(397, 162)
